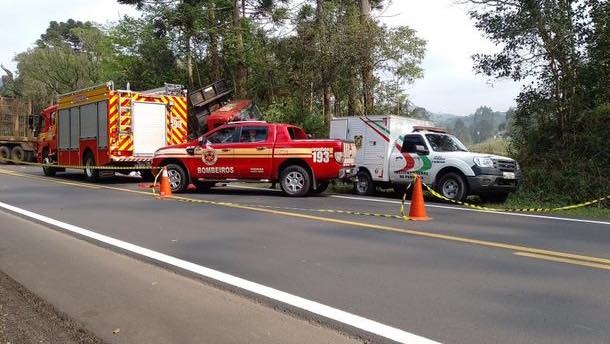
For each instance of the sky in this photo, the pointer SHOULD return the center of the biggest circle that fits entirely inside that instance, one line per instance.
(449, 84)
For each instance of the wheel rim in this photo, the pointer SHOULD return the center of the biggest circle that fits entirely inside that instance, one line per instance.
(451, 188)
(46, 161)
(362, 185)
(295, 181)
(175, 179)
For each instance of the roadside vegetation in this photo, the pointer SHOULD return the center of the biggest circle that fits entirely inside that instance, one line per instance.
(304, 62)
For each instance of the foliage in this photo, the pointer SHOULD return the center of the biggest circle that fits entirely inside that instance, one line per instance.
(560, 126)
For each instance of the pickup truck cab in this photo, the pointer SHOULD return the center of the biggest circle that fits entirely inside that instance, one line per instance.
(391, 150)
(257, 151)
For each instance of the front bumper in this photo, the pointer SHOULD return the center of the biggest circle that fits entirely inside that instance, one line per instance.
(487, 183)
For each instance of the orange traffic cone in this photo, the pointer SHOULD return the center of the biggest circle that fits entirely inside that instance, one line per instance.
(166, 189)
(417, 212)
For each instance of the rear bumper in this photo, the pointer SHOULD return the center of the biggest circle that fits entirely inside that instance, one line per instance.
(491, 184)
(347, 173)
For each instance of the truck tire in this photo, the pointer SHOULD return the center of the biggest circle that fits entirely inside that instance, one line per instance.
(364, 185)
(47, 170)
(322, 186)
(453, 186)
(499, 197)
(91, 174)
(295, 181)
(5, 154)
(17, 154)
(178, 179)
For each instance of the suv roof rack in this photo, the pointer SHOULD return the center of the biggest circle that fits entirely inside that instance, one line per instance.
(417, 128)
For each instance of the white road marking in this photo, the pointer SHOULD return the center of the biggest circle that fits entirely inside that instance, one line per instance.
(335, 314)
(368, 199)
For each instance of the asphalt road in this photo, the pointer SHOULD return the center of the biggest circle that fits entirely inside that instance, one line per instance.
(464, 277)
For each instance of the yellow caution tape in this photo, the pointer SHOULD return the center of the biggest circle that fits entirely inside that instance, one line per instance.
(539, 210)
(139, 165)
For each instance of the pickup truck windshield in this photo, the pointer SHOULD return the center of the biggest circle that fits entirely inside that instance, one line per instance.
(251, 113)
(445, 143)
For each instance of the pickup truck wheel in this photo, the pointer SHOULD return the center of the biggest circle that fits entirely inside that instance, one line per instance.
(5, 154)
(364, 185)
(17, 154)
(295, 181)
(91, 174)
(452, 186)
(499, 197)
(178, 179)
(322, 186)
(47, 170)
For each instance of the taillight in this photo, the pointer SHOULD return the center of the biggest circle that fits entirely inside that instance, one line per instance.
(339, 157)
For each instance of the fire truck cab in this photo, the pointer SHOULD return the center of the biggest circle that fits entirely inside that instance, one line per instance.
(101, 126)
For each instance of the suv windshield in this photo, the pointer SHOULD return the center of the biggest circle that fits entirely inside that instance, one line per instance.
(445, 143)
(251, 113)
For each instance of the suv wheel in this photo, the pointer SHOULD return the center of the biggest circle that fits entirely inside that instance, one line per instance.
(295, 181)
(364, 185)
(452, 186)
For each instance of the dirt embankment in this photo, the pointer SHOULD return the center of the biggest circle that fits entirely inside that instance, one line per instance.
(25, 318)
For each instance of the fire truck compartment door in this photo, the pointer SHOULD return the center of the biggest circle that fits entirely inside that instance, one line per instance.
(148, 125)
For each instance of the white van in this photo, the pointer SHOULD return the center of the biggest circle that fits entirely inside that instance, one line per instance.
(392, 148)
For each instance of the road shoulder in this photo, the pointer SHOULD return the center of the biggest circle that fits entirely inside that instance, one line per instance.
(124, 300)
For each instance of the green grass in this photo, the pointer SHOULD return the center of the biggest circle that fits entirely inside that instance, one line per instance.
(490, 146)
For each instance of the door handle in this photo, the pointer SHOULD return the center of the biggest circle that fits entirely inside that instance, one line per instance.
(225, 150)
(260, 148)
(399, 158)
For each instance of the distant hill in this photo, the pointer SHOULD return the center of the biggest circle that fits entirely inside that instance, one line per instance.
(474, 128)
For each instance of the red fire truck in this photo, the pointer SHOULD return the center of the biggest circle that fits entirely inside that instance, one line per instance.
(101, 126)
(256, 151)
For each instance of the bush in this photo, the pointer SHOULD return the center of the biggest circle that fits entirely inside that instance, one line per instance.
(568, 170)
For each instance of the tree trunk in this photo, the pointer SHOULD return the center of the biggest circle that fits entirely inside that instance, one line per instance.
(241, 72)
(189, 62)
(327, 110)
(368, 78)
(215, 68)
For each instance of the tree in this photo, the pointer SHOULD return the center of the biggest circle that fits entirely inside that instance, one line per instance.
(563, 114)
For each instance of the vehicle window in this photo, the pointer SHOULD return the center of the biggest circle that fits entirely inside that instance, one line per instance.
(445, 143)
(411, 141)
(225, 135)
(250, 113)
(297, 133)
(253, 134)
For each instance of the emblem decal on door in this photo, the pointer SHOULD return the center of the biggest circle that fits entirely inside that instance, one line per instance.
(209, 156)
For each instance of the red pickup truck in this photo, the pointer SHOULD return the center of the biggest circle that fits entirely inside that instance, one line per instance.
(256, 151)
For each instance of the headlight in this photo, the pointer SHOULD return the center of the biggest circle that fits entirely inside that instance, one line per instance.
(484, 162)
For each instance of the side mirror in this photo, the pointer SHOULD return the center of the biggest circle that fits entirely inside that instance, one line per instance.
(190, 150)
(419, 149)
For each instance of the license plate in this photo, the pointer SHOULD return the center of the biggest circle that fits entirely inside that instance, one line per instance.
(509, 175)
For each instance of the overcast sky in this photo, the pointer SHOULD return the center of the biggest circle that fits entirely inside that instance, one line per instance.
(449, 84)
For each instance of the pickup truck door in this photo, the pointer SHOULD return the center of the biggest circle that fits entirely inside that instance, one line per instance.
(254, 152)
(214, 158)
(409, 160)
